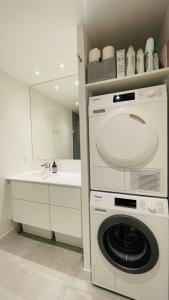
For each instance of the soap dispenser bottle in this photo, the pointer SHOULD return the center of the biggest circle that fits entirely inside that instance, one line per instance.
(54, 167)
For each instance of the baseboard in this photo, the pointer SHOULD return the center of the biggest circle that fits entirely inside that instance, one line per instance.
(87, 270)
(7, 235)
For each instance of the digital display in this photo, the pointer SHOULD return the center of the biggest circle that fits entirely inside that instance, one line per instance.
(130, 203)
(124, 97)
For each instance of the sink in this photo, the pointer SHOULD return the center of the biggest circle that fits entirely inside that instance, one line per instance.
(41, 175)
(72, 179)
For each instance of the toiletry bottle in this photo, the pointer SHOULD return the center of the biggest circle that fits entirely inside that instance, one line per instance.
(149, 54)
(155, 57)
(156, 61)
(131, 61)
(54, 167)
(140, 61)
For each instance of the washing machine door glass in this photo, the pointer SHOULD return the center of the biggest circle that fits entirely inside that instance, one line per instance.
(125, 139)
(128, 244)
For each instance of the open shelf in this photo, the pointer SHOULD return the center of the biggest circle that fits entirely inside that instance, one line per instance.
(130, 82)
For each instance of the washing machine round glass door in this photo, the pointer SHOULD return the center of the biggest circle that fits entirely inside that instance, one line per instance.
(128, 244)
(125, 138)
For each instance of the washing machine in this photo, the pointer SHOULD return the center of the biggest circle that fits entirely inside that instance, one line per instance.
(128, 141)
(129, 245)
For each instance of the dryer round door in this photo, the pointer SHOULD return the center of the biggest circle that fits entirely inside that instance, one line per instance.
(125, 139)
(128, 244)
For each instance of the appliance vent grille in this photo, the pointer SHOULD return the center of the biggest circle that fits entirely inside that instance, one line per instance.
(146, 180)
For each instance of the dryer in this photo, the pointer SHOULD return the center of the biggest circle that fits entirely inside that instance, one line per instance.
(128, 141)
(129, 245)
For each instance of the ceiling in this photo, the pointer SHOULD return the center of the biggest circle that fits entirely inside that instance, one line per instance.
(64, 91)
(39, 35)
(124, 22)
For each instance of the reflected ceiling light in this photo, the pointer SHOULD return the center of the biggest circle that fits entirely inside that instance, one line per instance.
(37, 72)
(56, 87)
(76, 82)
(77, 103)
(61, 66)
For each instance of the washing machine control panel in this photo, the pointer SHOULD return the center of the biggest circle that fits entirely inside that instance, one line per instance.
(153, 206)
(106, 202)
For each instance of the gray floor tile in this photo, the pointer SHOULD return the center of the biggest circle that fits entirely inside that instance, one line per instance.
(33, 270)
(19, 246)
(6, 295)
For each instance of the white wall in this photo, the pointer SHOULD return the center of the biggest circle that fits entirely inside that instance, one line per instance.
(52, 135)
(164, 35)
(15, 139)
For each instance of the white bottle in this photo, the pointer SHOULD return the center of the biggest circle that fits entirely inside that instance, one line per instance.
(94, 55)
(131, 61)
(149, 54)
(108, 52)
(140, 61)
(156, 61)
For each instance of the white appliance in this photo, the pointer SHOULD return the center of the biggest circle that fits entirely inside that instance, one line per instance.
(129, 245)
(128, 142)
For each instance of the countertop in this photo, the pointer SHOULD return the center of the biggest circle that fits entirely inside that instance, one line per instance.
(66, 179)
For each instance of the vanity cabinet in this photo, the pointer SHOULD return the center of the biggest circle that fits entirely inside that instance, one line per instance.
(30, 203)
(30, 191)
(31, 213)
(65, 210)
(48, 206)
(65, 196)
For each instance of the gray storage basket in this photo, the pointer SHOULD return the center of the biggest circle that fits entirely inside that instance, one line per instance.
(108, 68)
(94, 72)
(98, 71)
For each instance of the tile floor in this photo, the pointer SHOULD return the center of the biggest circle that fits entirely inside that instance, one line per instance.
(34, 270)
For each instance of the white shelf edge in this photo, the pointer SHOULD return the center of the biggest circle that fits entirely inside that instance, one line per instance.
(129, 82)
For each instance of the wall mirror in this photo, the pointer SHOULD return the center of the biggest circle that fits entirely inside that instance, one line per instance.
(55, 119)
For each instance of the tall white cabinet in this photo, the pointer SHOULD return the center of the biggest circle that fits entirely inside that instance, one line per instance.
(109, 86)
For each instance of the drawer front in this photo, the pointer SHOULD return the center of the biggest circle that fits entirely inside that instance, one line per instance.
(66, 221)
(30, 191)
(65, 196)
(31, 213)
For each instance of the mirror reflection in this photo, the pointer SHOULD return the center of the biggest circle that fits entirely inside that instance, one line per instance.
(55, 119)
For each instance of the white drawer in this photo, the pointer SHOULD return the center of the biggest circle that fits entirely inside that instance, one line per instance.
(66, 221)
(65, 196)
(31, 213)
(30, 191)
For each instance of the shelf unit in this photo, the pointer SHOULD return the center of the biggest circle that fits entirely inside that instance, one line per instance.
(126, 83)
(84, 44)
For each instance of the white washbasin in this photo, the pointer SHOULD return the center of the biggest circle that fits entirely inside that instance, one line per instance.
(60, 178)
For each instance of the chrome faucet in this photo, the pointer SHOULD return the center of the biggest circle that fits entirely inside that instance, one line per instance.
(45, 168)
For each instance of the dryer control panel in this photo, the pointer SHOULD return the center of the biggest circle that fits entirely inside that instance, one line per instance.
(99, 105)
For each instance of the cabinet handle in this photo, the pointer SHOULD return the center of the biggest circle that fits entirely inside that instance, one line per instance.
(79, 57)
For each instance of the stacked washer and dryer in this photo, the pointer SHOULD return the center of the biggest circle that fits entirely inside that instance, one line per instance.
(128, 200)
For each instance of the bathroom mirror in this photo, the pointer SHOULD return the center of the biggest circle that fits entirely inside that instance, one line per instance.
(55, 119)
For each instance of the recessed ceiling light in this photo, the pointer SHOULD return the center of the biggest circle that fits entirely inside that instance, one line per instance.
(76, 82)
(56, 87)
(77, 103)
(61, 66)
(37, 72)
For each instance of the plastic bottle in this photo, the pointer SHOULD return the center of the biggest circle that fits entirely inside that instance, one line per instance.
(131, 61)
(140, 61)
